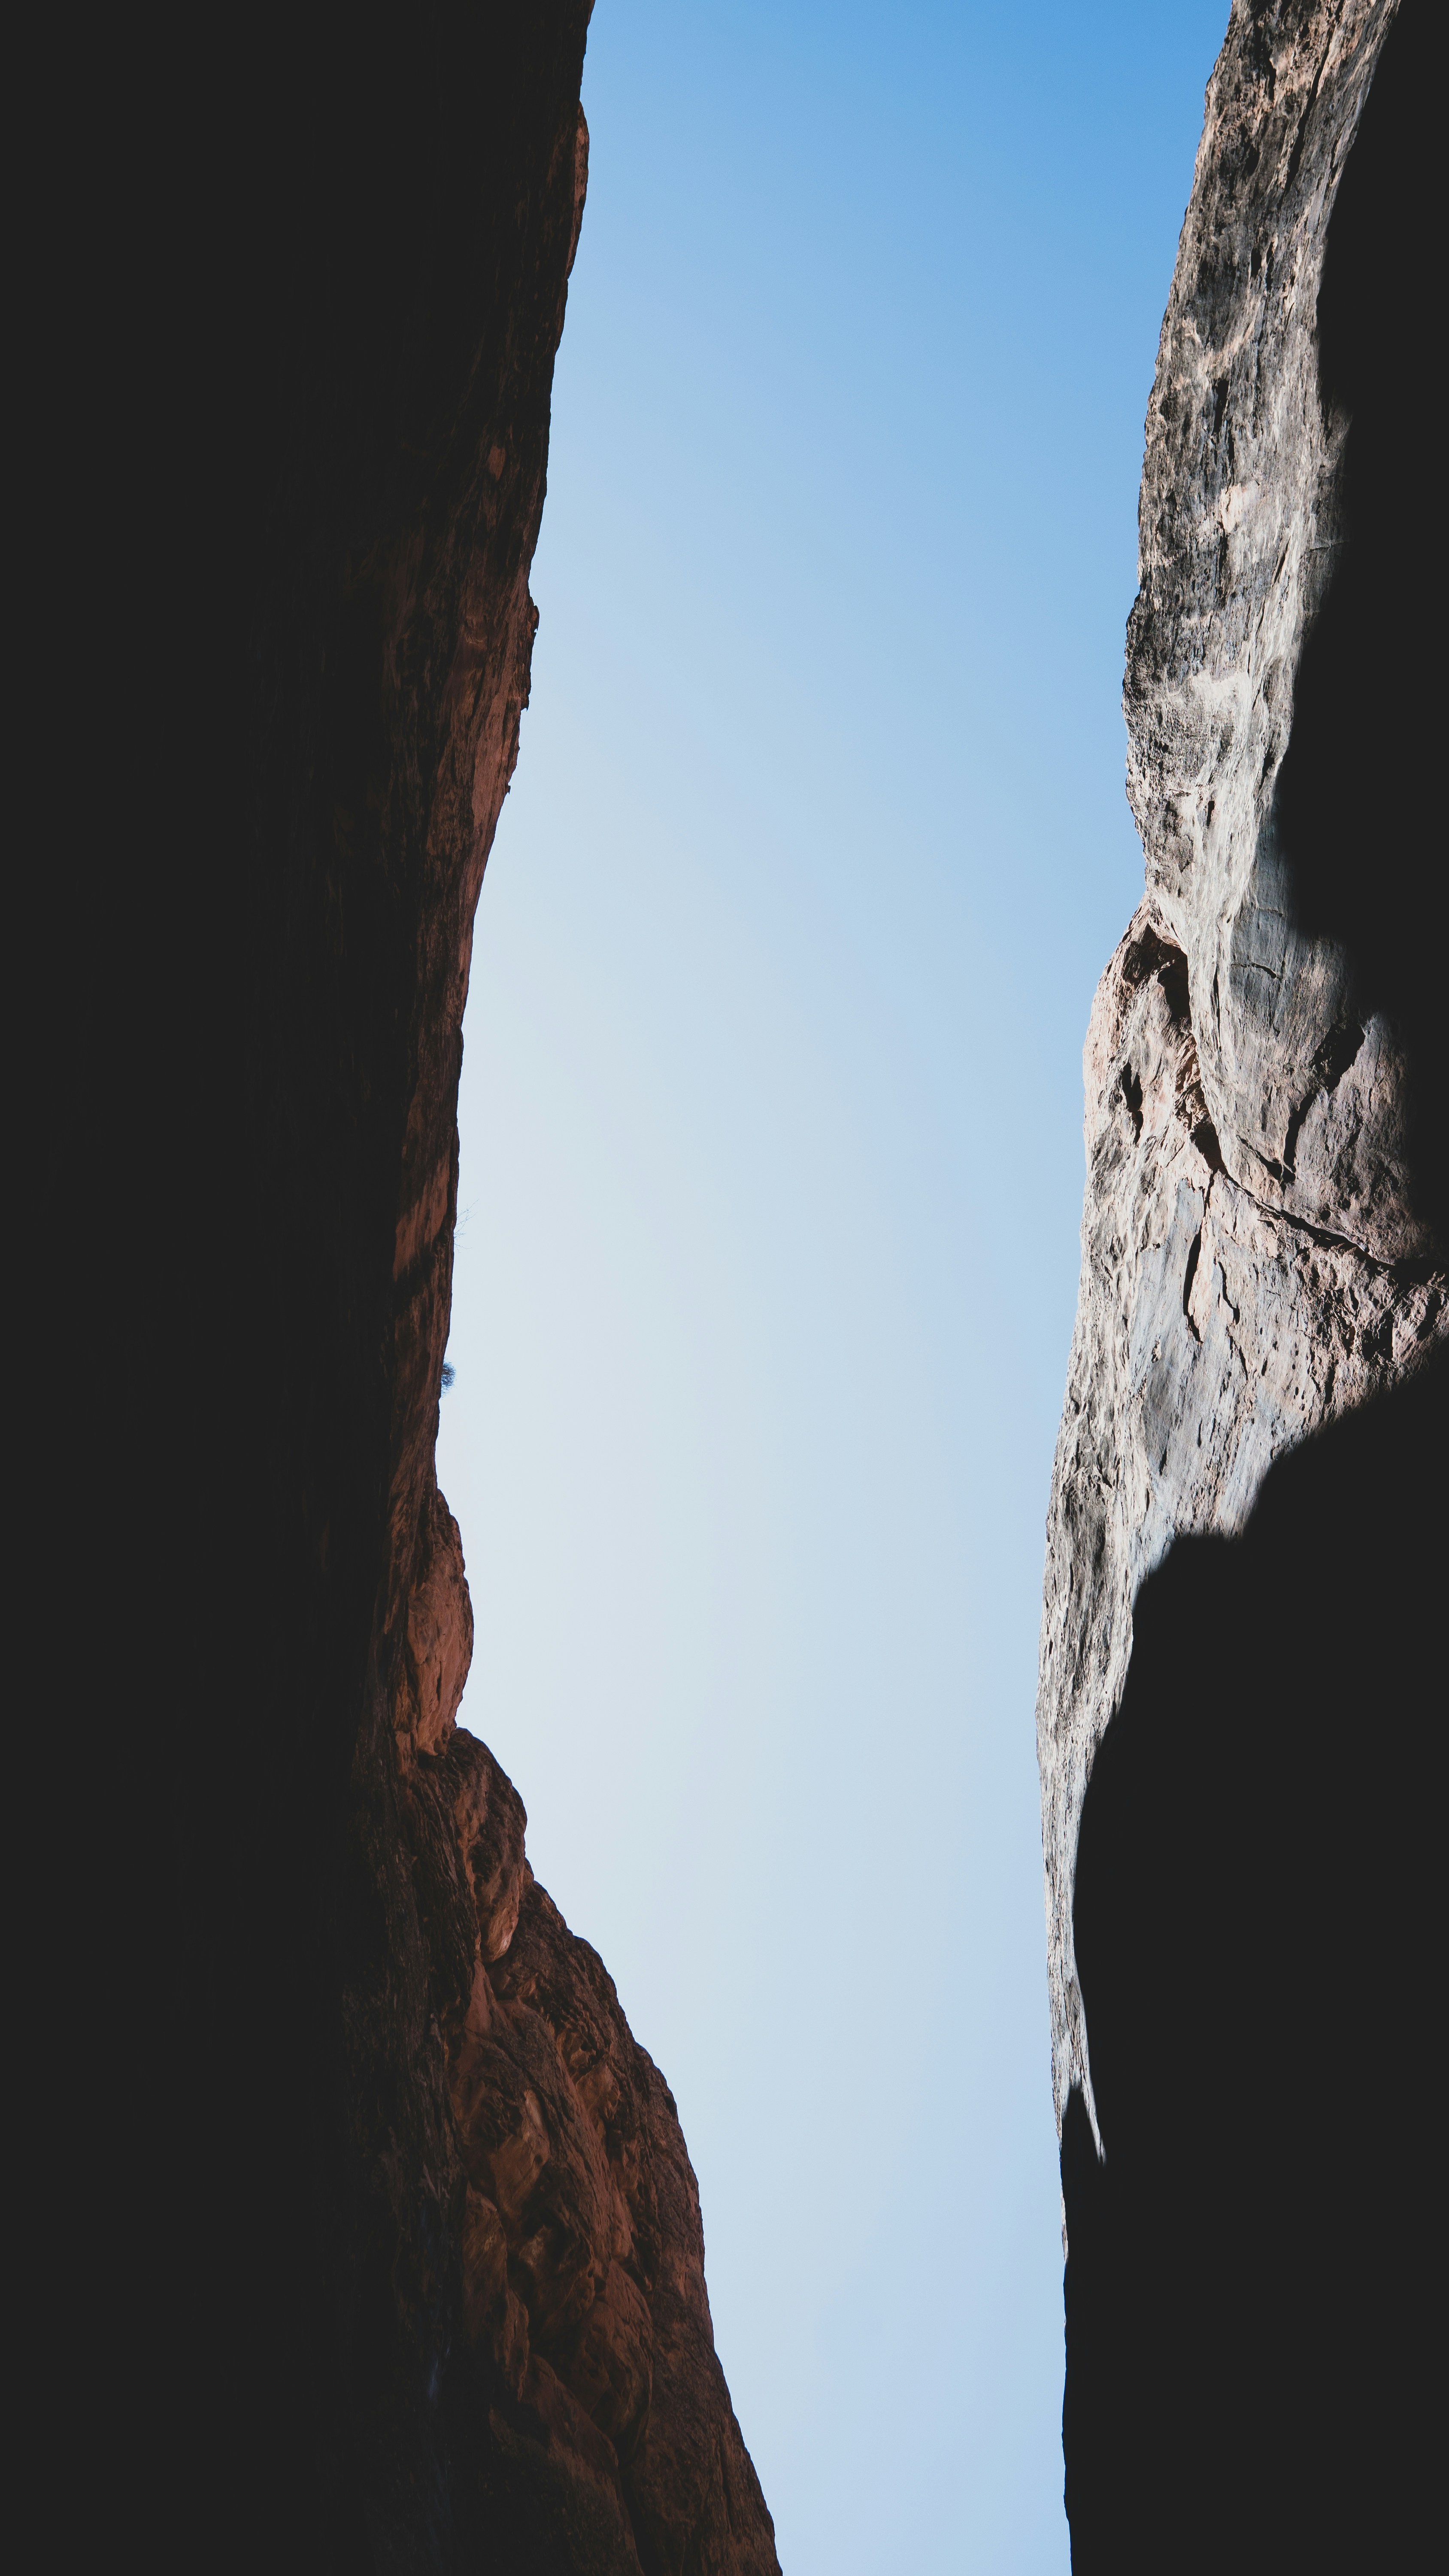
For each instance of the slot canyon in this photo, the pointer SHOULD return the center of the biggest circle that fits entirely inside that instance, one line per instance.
(381, 2241)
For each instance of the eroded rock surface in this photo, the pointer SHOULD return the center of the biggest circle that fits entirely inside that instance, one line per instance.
(1242, 1661)
(408, 2272)
(1260, 1252)
(589, 2363)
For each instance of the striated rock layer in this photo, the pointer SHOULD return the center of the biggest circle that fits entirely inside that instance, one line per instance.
(387, 2251)
(1256, 1364)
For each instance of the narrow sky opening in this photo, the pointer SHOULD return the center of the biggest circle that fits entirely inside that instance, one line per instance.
(771, 1162)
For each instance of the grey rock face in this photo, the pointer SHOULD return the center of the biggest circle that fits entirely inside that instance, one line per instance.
(1258, 1255)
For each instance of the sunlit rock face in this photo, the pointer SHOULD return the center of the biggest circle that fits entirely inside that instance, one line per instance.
(1263, 1259)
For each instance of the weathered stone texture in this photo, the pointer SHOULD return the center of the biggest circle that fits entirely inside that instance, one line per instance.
(1258, 1256)
(382, 2298)
(591, 2365)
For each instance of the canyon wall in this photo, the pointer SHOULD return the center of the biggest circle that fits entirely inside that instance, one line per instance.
(1240, 1673)
(402, 2264)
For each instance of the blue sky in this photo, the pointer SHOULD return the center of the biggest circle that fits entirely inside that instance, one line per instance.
(771, 1162)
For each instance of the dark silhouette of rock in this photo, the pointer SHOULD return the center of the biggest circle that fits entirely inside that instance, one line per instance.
(310, 270)
(1254, 2273)
(1240, 1646)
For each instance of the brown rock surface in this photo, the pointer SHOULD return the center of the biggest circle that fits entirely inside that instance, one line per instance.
(408, 2273)
(439, 1637)
(587, 2319)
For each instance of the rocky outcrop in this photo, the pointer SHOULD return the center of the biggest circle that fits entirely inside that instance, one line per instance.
(1256, 1256)
(523, 2157)
(407, 2270)
(1265, 1271)
(587, 2358)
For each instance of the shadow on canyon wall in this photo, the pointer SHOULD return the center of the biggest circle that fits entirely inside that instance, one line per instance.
(1253, 2281)
(1254, 2285)
(1357, 811)
(314, 264)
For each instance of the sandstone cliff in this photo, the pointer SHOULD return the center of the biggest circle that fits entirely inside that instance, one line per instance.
(405, 2269)
(1263, 1257)
(601, 2422)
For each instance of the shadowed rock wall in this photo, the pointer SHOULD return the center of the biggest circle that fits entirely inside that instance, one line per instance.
(402, 2265)
(1240, 1657)
(1254, 2277)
